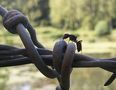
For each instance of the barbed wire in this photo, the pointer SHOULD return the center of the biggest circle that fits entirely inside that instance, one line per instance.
(62, 59)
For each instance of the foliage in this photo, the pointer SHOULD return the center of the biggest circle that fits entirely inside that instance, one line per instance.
(70, 14)
(102, 28)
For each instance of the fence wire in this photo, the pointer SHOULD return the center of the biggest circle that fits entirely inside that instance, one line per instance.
(61, 60)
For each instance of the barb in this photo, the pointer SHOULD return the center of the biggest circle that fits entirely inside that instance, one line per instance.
(35, 53)
(15, 22)
(3, 11)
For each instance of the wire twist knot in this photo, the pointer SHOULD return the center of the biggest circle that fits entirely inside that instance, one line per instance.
(12, 19)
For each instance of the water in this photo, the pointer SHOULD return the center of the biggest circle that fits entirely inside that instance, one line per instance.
(25, 86)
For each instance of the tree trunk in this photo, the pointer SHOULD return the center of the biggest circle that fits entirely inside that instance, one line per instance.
(44, 10)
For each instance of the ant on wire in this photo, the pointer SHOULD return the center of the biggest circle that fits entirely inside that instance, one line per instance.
(73, 38)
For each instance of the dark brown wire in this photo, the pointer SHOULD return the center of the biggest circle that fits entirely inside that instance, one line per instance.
(12, 21)
(67, 66)
(23, 56)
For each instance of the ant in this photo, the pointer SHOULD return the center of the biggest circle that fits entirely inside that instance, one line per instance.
(73, 38)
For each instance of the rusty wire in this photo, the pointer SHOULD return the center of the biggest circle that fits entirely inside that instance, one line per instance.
(61, 59)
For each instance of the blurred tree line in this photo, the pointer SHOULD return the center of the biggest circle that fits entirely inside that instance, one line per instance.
(71, 14)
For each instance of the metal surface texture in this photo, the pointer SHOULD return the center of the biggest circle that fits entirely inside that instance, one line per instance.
(62, 59)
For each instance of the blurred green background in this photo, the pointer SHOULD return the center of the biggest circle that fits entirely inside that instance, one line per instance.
(93, 21)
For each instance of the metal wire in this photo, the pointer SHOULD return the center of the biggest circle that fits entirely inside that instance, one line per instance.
(35, 53)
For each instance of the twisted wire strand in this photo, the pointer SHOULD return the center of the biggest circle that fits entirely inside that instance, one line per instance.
(80, 61)
(66, 68)
(35, 53)
(12, 22)
(58, 51)
(84, 62)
